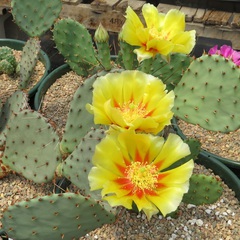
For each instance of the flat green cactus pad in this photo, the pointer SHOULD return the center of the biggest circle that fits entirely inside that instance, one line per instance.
(28, 61)
(203, 190)
(79, 120)
(170, 72)
(208, 94)
(35, 17)
(15, 103)
(58, 216)
(75, 43)
(32, 147)
(77, 166)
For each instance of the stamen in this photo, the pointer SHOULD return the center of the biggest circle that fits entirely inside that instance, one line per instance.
(131, 111)
(142, 176)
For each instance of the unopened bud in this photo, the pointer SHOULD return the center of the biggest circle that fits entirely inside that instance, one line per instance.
(101, 34)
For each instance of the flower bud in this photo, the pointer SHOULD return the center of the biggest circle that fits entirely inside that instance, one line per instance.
(101, 34)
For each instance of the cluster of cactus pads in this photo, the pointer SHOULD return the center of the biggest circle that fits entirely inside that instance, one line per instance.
(33, 149)
(8, 61)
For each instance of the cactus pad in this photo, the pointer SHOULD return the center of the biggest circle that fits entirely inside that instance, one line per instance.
(203, 190)
(35, 18)
(75, 43)
(8, 61)
(79, 120)
(58, 216)
(170, 72)
(28, 61)
(208, 94)
(15, 103)
(77, 166)
(32, 147)
(4, 51)
(6, 67)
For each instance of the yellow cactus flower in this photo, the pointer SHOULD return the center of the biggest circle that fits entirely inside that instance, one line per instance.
(128, 167)
(131, 100)
(163, 33)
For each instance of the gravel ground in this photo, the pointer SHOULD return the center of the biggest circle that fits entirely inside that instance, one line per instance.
(57, 99)
(221, 144)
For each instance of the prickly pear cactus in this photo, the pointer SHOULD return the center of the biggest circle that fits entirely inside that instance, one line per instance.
(75, 43)
(203, 190)
(6, 67)
(8, 61)
(79, 121)
(101, 38)
(126, 57)
(208, 94)
(77, 166)
(170, 72)
(35, 159)
(14, 104)
(28, 61)
(58, 216)
(4, 51)
(35, 18)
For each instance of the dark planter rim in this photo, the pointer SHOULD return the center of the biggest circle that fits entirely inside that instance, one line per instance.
(228, 162)
(18, 45)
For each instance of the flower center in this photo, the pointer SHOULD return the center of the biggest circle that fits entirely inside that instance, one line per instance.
(131, 111)
(155, 34)
(142, 176)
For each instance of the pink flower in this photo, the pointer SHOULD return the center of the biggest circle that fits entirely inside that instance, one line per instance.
(227, 52)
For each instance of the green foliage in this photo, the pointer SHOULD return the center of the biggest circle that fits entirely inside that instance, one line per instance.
(57, 216)
(35, 18)
(203, 190)
(8, 61)
(126, 57)
(208, 94)
(79, 121)
(77, 166)
(101, 38)
(75, 44)
(28, 61)
(170, 71)
(14, 104)
(32, 146)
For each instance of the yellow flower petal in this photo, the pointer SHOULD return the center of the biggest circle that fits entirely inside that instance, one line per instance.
(174, 149)
(130, 26)
(163, 33)
(151, 16)
(176, 184)
(132, 100)
(174, 22)
(130, 171)
(162, 46)
(184, 42)
(142, 54)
